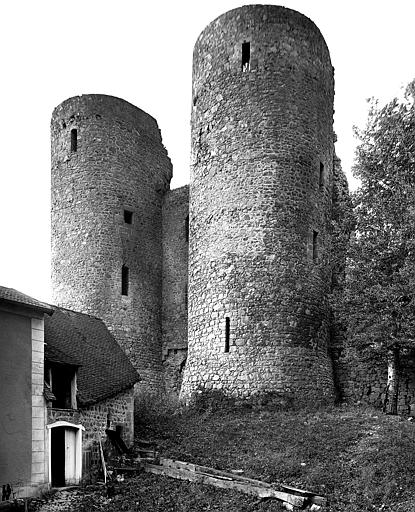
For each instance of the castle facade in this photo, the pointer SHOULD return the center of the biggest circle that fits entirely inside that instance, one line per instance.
(222, 284)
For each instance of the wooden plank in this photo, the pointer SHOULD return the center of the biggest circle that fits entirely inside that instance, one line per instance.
(318, 500)
(214, 472)
(247, 488)
(314, 498)
(295, 490)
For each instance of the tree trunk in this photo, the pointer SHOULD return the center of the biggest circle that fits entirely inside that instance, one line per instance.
(393, 380)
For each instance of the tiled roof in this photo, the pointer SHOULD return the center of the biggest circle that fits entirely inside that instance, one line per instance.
(12, 296)
(76, 338)
(55, 355)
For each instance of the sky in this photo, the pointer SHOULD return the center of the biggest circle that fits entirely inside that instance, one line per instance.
(141, 51)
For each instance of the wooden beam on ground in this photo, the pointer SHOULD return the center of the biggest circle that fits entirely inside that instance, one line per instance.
(192, 475)
(210, 471)
(313, 498)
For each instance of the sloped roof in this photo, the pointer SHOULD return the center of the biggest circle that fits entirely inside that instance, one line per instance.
(79, 339)
(12, 296)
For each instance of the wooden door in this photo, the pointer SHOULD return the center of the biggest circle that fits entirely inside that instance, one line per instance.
(70, 456)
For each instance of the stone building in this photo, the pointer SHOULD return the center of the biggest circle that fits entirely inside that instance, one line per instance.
(222, 284)
(260, 205)
(256, 255)
(64, 381)
(109, 173)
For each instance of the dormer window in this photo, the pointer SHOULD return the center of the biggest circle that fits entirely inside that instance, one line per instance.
(61, 381)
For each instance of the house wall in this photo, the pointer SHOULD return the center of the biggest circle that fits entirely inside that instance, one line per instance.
(40, 476)
(22, 406)
(15, 399)
(96, 418)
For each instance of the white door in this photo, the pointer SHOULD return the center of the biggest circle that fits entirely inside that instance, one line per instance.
(70, 456)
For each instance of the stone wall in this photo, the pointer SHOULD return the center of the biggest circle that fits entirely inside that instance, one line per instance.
(260, 206)
(96, 418)
(365, 381)
(109, 173)
(175, 276)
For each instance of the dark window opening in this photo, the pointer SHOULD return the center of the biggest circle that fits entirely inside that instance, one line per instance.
(128, 217)
(124, 280)
(227, 333)
(246, 56)
(62, 383)
(315, 245)
(74, 140)
(186, 227)
(321, 180)
(186, 297)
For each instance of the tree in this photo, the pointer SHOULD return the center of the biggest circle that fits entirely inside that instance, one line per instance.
(379, 305)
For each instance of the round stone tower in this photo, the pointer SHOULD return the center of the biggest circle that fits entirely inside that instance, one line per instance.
(260, 205)
(109, 172)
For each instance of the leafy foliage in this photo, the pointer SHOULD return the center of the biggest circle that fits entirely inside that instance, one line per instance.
(379, 307)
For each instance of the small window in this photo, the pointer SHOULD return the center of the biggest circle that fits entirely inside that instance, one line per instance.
(128, 217)
(315, 245)
(186, 297)
(124, 280)
(246, 55)
(321, 180)
(74, 140)
(186, 227)
(63, 387)
(227, 333)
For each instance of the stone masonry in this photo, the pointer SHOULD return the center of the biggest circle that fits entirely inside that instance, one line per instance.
(260, 206)
(222, 284)
(175, 275)
(116, 411)
(109, 173)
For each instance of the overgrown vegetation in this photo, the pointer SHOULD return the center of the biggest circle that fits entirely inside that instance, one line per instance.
(378, 305)
(359, 458)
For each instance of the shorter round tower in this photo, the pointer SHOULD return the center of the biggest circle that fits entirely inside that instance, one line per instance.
(109, 172)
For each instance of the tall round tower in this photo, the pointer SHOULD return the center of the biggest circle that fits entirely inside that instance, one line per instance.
(260, 204)
(109, 172)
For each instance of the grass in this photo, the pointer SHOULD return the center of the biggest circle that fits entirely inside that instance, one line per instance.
(360, 459)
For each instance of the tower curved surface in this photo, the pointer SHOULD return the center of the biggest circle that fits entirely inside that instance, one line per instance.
(260, 204)
(109, 172)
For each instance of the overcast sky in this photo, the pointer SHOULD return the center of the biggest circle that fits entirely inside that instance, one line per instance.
(142, 52)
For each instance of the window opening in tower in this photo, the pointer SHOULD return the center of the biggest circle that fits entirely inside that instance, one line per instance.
(246, 56)
(124, 280)
(227, 333)
(74, 140)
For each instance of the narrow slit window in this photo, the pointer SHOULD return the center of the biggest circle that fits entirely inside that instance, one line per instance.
(246, 56)
(315, 245)
(321, 180)
(186, 227)
(74, 140)
(128, 217)
(124, 280)
(227, 333)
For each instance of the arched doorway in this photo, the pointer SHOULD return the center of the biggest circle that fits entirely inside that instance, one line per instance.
(65, 453)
